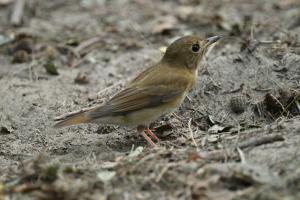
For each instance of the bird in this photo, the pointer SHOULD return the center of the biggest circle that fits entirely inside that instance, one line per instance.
(155, 92)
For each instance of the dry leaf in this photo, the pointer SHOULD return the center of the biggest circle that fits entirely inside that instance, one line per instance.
(165, 24)
(105, 175)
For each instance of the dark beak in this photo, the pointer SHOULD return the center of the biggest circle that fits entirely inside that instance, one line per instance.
(211, 40)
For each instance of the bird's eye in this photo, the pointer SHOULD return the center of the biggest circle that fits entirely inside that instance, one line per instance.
(195, 48)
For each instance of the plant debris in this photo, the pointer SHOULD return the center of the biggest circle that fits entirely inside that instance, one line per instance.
(51, 68)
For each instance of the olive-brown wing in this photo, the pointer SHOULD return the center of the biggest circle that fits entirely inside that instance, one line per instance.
(132, 99)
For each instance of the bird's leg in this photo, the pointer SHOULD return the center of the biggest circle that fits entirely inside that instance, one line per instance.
(148, 139)
(141, 130)
(152, 134)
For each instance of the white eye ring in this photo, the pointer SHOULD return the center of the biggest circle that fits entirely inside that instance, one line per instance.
(195, 48)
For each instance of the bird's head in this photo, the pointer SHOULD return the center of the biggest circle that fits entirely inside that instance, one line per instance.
(188, 51)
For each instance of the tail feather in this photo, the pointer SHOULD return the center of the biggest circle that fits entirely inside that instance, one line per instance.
(72, 119)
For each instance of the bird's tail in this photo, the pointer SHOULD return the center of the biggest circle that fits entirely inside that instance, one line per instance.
(72, 119)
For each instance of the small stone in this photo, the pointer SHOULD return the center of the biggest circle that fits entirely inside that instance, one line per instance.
(81, 78)
(4, 131)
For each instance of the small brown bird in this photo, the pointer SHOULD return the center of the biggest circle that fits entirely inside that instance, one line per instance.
(157, 91)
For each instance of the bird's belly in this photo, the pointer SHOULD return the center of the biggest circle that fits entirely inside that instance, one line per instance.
(148, 115)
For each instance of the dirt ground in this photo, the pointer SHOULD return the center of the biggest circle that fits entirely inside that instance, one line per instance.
(236, 136)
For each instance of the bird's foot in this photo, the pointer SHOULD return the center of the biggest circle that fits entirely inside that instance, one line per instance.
(149, 139)
(144, 131)
(152, 134)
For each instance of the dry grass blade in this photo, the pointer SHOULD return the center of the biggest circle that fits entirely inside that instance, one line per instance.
(192, 134)
(242, 155)
(87, 44)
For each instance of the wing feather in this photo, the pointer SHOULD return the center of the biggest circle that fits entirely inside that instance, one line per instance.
(132, 99)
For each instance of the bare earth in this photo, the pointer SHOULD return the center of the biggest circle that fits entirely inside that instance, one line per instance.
(235, 137)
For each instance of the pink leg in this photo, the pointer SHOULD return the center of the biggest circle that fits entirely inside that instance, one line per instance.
(152, 134)
(148, 139)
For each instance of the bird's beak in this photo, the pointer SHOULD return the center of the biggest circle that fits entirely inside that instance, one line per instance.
(211, 40)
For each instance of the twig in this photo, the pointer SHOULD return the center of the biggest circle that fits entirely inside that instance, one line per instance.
(25, 188)
(78, 52)
(203, 141)
(192, 133)
(81, 60)
(242, 155)
(295, 100)
(16, 17)
(143, 160)
(178, 118)
(232, 91)
(269, 42)
(260, 141)
(86, 44)
(163, 171)
(238, 136)
(217, 154)
(257, 88)
(189, 98)
(214, 83)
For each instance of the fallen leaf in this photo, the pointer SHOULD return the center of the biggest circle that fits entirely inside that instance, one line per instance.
(217, 129)
(165, 25)
(135, 153)
(213, 138)
(105, 175)
(109, 165)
